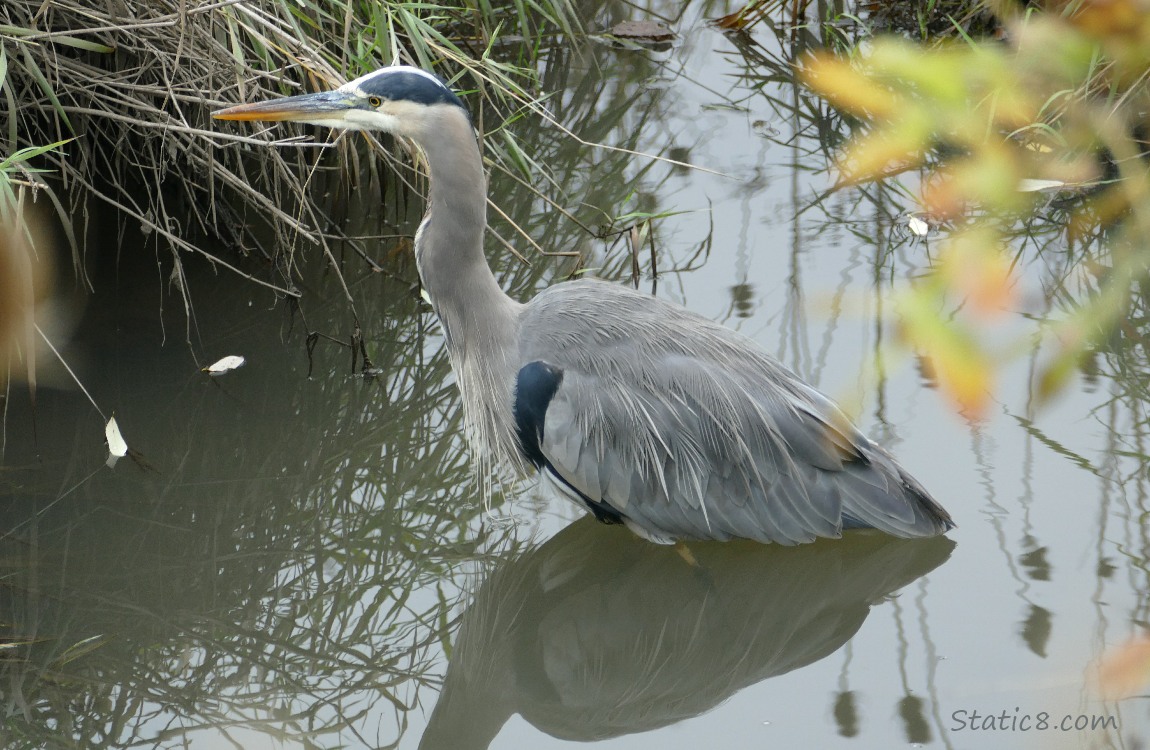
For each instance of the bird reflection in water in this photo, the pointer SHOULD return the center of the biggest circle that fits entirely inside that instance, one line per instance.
(594, 634)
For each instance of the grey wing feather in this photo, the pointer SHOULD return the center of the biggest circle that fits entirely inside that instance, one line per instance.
(683, 472)
(690, 431)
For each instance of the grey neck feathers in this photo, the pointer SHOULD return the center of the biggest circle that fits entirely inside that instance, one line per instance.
(449, 246)
(480, 321)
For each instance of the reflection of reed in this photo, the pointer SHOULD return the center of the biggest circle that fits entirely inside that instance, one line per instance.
(599, 99)
(595, 634)
(259, 577)
(267, 563)
(262, 577)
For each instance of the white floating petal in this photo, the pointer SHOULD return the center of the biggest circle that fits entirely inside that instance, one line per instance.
(116, 445)
(226, 364)
(918, 226)
(1029, 185)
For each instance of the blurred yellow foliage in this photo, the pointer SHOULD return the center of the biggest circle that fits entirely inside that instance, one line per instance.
(985, 123)
(27, 278)
(843, 86)
(1122, 29)
(976, 267)
(973, 277)
(1125, 670)
(952, 357)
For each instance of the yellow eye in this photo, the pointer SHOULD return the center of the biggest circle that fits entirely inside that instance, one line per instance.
(375, 101)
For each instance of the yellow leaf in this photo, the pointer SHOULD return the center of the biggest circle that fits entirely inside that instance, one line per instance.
(930, 73)
(1125, 669)
(975, 267)
(942, 199)
(877, 155)
(962, 372)
(989, 177)
(847, 88)
(952, 358)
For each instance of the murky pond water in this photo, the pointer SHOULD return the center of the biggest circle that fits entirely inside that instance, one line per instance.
(299, 558)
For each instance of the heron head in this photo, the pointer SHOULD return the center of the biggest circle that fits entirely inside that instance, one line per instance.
(401, 99)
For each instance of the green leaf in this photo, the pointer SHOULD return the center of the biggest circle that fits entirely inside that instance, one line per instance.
(30, 152)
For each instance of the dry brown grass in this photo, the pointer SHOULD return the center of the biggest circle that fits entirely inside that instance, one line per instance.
(133, 83)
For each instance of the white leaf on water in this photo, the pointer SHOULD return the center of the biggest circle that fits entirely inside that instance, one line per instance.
(1029, 185)
(116, 445)
(918, 226)
(226, 364)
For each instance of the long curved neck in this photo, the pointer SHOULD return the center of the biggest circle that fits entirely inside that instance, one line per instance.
(481, 323)
(449, 244)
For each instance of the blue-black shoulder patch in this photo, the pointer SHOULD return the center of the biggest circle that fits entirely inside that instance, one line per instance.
(404, 85)
(535, 386)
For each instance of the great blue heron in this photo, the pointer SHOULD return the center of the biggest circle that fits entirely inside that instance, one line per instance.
(642, 411)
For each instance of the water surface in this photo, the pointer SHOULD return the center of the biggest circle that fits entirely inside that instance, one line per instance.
(300, 559)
